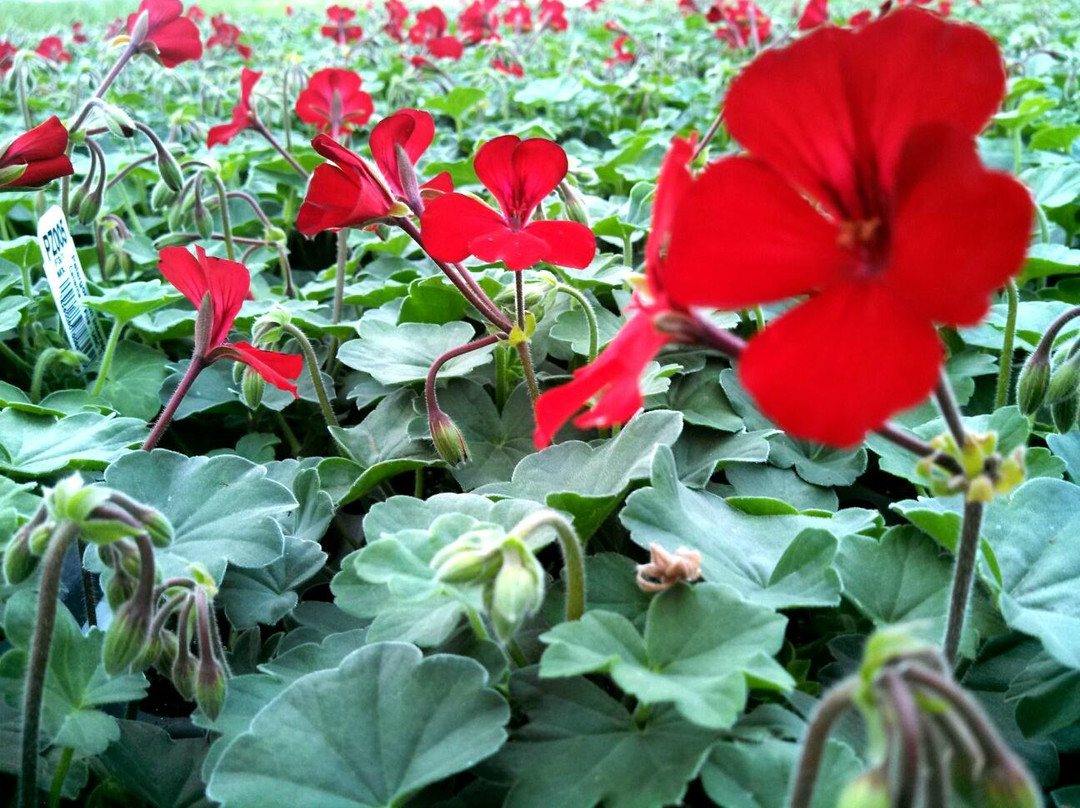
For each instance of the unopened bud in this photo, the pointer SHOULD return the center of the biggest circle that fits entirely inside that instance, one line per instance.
(140, 29)
(252, 387)
(162, 196)
(76, 199)
(1008, 785)
(1064, 412)
(127, 637)
(169, 169)
(157, 527)
(1011, 472)
(117, 121)
(868, 790)
(980, 489)
(90, 207)
(168, 647)
(119, 588)
(449, 442)
(204, 222)
(10, 174)
(1032, 384)
(572, 204)
(1064, 381)
(518, 589)
(39, 538)
(204, 325)
(183, 673)
(19, 562)
(276, 234)
(209, 686)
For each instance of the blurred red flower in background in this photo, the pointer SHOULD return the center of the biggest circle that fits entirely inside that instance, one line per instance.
(172, 39)
(339, 30)
(241, 113)
(226, 35)
(334, 102)
(52, 48)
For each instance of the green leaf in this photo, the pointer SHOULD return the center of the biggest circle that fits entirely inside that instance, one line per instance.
(222, 508)
(433, 300)
(374, 730)
(36, 445)
(816, 464)
(267, 594)
(376, 449)
(1046, 695)
(456, 102)
(751, 480)
(157, 768)
(701, 400)
(1044, 260)
(1039, 566)
(587, 480)
(581, 748)
(399, 354)
(133, 380)
(775, 560)
(76, 683)
(129, 300)
(702, 650)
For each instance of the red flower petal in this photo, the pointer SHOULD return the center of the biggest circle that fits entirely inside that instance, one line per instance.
(412, 129)
(439, 184)
(518, 249)
(42, 171)
(832, 111)
(816, 13)
(616, 374)
(176, 37)
(451, 221)
(569, 244)
(520, 173)
(241, 113)
(742, 236)
(959, 230)
(671, 185)
(316, 103)
(343, 195)
(194, 276)
(280, 369)
(45, 141)
(839, 365)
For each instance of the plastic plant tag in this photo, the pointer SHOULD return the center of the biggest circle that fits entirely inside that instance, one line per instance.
(67, 282)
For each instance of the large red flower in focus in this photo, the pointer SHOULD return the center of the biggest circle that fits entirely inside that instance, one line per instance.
(616, 373)
(340, 31)
(36, 157)
(862, 188)
(519, 173)
(334, 102)
(172, 39)
(413, 130)
(227, 284)
(241, 113)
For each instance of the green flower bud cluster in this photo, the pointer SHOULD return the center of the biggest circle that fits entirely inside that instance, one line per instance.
(984, 472)
(509, 575)
(928, 738)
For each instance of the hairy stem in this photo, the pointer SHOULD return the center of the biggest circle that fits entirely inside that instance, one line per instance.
(1001, 396)
(967, 553)
(573, 559)
(313, 368)
(190, 375)
(829, 709)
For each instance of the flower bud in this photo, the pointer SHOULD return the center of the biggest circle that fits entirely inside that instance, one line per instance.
(204, 325)
(19, 562)
(518, 589)
(168, 648)
(468, 566)
(127, 637)
(139, 30)
(162, 196)
(868, 790)
(572, 204)
(252, 387)
(1064, 412)
(38, 538)
(981, 489)
(209, 686)
(449, 442)
(183, 673)
(1007, 785)
(276, 234)
(9, 174)
(1064, 381)
(1011, 472)
(89, 207)
(1032, 384)
(204, 222)
(169, 169)
(76, 199)
(118, 122)
(119, 588)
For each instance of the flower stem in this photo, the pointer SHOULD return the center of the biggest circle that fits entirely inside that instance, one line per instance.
(907, 719)
(1001, 397)
(38, 377)
(590, 316)
(829, 709)
(107, 357)
(339, 274)
(950, 412)
(967, 553)
(223, 203)
(38, 664)
(110, 77)
(89, 599)
(57, 786)
(573, 559)
(314, 370)
(523, 345)
(190, 375)
(433, 371)
(259, 127)
(916, 445)
(709, 135)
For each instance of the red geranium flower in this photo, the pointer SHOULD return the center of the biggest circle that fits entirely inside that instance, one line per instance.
(52, 48)
(195, 14)
(227, 35)
(334, 102)
(430, 31)
(621, 54)
(553, 15)
(508, 67)
(115, 27)
(593, 5)
(861, 18)
(395, 26)
(77, 36)
(616, 373)
(241, 113)
(340, 31)
(351, 192)
(742, 22)
(227, 284)
(36, 157)
(478, 22)
(816, 13)
(519, 173)
(172, 39)
(904, 228)
(519, 18)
